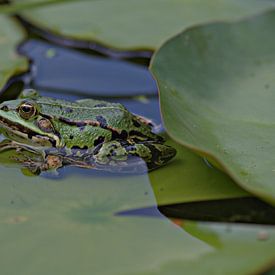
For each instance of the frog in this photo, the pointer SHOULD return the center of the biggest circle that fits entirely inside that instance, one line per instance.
(88, 133)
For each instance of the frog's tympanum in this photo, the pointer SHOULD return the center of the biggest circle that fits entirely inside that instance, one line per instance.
(86, 133)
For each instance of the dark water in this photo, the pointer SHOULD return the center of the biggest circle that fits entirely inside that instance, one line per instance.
(60, 69)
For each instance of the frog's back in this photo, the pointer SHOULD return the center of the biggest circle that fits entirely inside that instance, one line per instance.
(84, 110)
(88, 122)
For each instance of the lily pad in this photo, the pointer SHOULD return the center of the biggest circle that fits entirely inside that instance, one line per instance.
(131, 24)
(188, 178)
(13, 6)
(70, 226)
(10, 63)
(217, 90)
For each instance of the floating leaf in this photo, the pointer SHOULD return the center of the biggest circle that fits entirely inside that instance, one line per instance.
(187, 178)
(10, 63)
(132, 24)
(217, 90)
(14, 6)
(71, 226)
(229, 242)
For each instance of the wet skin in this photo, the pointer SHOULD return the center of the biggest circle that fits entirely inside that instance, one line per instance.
(87, 133)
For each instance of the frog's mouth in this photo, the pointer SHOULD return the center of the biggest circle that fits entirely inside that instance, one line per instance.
(20, 133)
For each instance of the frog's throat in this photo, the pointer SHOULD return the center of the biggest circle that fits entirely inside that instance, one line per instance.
(28, 134)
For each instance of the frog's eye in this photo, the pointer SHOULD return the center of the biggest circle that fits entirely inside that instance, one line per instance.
(27, 110)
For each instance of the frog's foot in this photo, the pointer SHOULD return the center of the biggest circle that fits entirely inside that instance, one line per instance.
(131, 157)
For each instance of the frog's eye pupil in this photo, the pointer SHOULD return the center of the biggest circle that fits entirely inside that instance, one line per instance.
(27, 110)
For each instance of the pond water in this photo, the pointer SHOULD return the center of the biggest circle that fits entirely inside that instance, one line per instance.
(81, 221)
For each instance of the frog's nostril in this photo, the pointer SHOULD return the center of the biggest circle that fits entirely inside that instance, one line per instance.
(4, 108)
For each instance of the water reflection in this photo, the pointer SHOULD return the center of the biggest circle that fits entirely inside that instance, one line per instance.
(50, 162)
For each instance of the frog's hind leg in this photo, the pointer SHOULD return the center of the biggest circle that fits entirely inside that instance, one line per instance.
(129, 157)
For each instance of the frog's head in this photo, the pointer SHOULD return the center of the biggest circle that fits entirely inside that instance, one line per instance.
(21, 120)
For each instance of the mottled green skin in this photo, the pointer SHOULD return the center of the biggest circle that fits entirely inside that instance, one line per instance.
(87, 131)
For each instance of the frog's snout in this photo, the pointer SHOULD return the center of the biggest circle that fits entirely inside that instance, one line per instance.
(168, 153)
(161, 154)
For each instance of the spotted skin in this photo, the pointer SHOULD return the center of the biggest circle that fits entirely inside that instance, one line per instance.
(87, 133)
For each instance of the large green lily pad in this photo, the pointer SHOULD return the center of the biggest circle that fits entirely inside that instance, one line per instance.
(132, 24)
(10, 62)
(15, 6)
(71, 226)
(217, 90)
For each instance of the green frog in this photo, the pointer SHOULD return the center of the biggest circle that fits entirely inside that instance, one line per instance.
(87, 133)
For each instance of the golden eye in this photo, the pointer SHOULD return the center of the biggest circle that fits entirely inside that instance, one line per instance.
(27, 110)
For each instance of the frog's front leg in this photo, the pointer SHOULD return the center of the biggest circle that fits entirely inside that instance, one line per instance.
(129, 156)
(7, 144)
